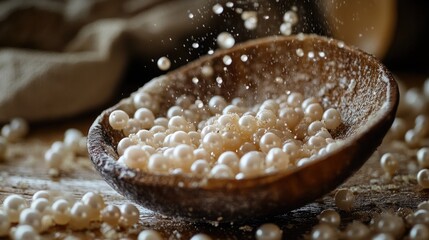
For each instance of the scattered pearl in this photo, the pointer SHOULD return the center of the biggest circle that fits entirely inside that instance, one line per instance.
(79, 216)
(331, 217)
(110, 215)
(389, 163)
(269, 231)
(15, 130)
(146, 117)
(163, 63)
(13, 205)
(423, 157)
(323, 232)
(423, 178)
(130, 215)
(225, 40)
(25, 232)
(344, 199)
(32, 218)
(95, 203)
(419, 232)
(61, 212)
(356, 231)
(149, 235)
(41, 205)
(221, 171)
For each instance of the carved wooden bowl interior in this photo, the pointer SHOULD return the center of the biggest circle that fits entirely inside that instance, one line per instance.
(348, 79)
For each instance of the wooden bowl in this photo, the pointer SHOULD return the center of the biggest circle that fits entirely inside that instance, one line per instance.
(346, 78)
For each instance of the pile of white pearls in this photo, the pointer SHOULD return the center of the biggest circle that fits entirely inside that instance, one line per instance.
(21, 219)
(223, 139)
(63, 152)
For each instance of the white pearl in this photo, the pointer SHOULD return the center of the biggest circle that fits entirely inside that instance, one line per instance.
(145, 116)
(201, 153)
(184, 155)
(4, 224)
(308, 101)
(389, 224)
(412, 138)
(72, 138)
(42, 205)
(158, 163)
(175, 111)
(290, 17)
(277, 158)
(225, 40)
(316, 142)
(221, 171)
(161, 121)
(145, 136)
(344, 199)
(195, 138)
(31, 217)
(266, 119)
(269, 231)
(247, 124)
(217, 104)
(118, 119)
(213, 143)
(143, 100)
(95, 203)
(178, 123)
(323, 232)
(184, 101)
(136, 157)
(53, 159)
(356, 231)
(314, 111)
(269, 104)
(79, 216)
(230, 159)
(252, 164)
(419, 232)
(130, 215)
(231, 140)
(124, 144)
(61, 212)
(232, 109)
(158, 139)
(200, 167)
(389, 163)
(295, 99)
(179, 137)
(423, 157)
(291, 117)
(25, 232)
(423, 178)
(163, 63)
(19, 128)
(201, 236)
(13, 205)
(268, 141)
(314, 128)
(331, 118)
(149, 235)
(331, 217)
(291, 148)
(110, 215)
(133, 126)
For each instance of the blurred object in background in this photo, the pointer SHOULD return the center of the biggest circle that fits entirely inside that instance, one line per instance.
(395, 31)
(59, 59)
(367, 24)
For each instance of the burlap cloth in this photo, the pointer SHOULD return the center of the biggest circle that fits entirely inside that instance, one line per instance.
(62, 58)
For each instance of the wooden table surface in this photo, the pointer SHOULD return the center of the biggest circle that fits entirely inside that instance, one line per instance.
(24, 172)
